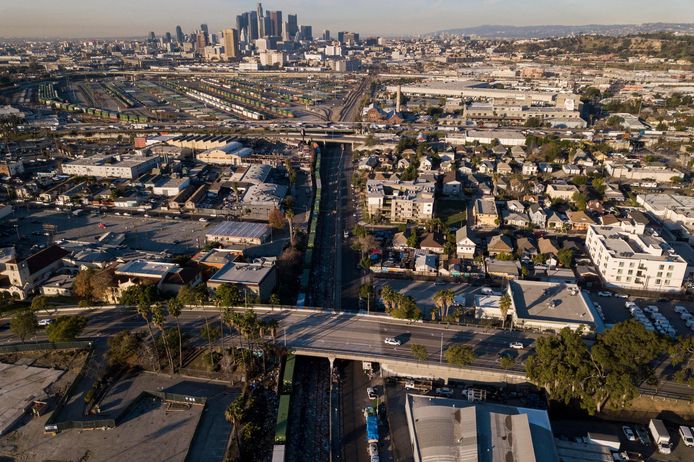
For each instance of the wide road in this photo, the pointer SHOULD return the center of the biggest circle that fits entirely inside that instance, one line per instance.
(327, 332)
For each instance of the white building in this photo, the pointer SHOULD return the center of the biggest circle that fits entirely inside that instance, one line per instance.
(112, 166)
(639, 261)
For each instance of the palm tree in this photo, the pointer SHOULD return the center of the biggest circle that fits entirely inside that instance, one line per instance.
(443, 299)
(233, 414)
(143, 310)
(388, 297)
(289, 215)
(504, 306)
(366, 291)
(272, 324)
(175, 308)
(159, 320)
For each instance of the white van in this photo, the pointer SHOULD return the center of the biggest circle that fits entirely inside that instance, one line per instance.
(687, 436)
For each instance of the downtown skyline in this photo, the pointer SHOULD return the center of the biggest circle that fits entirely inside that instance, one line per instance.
(100, 19)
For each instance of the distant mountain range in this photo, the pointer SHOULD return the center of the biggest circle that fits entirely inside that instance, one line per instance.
(519, 32)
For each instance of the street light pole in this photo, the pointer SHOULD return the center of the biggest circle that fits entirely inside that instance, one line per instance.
(441, 351)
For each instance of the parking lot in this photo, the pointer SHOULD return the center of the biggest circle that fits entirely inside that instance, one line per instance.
(141, 233)
(615, 310)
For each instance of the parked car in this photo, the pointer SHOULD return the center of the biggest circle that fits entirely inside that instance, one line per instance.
(516, 345)
(629, 433)
(45, 322)
(392, 341)
(605, 293)
(622, 295)
(444, 391)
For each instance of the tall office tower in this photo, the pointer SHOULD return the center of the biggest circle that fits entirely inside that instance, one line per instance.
(292, 26)
(285, 32)
(242, 26)
(341, 37)
(205, 30)
(253, 25)
(200, 42)
(275, 23)
(152, 36)
(214, 40)
(259, 17)
(306, 33)
(180, 38)
(231, 43)
(267, 26)
(326, 35)
(167, 37)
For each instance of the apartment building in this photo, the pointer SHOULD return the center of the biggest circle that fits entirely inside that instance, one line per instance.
(630, 171)
(628, 259)
(485, 212)
(400, 201)
(112, 166)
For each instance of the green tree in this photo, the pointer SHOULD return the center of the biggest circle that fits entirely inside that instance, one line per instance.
(229, 295)
(24, 324)
(275, 299)
(406, 308)
(366, 291)
(210, 333)
(159, 320)
(460, 355)
(504, 307)
(122, 347)
(143, 309)
(507, 362)
(580, 200)
(175, 308)
(443, 299)
(565, 257)
(82, 287)
(419, 352)
(413, 239)
(197, 295)
(65, 328)
(39, 303)
(607, 372)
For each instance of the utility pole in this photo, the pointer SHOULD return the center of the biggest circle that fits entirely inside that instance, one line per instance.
(441, 351)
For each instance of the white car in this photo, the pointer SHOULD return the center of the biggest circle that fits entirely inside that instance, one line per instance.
(605, 293)
(371, 393)
(204, 220)
(45, 322)
(392, 341)
(621, 295)
(516, 345)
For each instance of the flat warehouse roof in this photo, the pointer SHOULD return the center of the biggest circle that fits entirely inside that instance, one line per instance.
(239, 229)
(550, 301)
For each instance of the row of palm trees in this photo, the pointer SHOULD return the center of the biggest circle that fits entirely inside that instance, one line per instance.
(251, 328)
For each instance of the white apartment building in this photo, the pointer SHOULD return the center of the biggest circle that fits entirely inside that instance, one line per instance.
(629, 171)
(112, 166)
(400, 201)
(628, 259)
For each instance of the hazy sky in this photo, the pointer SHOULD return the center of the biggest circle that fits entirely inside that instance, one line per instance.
(111, 18)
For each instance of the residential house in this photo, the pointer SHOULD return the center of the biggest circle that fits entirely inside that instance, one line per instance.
(515, 206)
(563, 192)
(571, 169)
(529, 169)
(555, 221)
(426, 263)
(545, 167)
(579, 221)
(499, 244)
(519, 220)
(486, 167)
(547, 247)
(465, 246)
(452, 187)
(537, 215)
(485, 213)
(525, 247)
(432, 242)
(504, 168)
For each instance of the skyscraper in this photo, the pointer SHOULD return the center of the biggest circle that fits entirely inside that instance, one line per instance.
(200, 43)
(252, 25)
(206, 31)
(275, 23)
(326, 35)
(306, 33)
(292, 26)
(180, 38)
(152, 37)
(261, 22)
(231, 43)
(242, 26)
